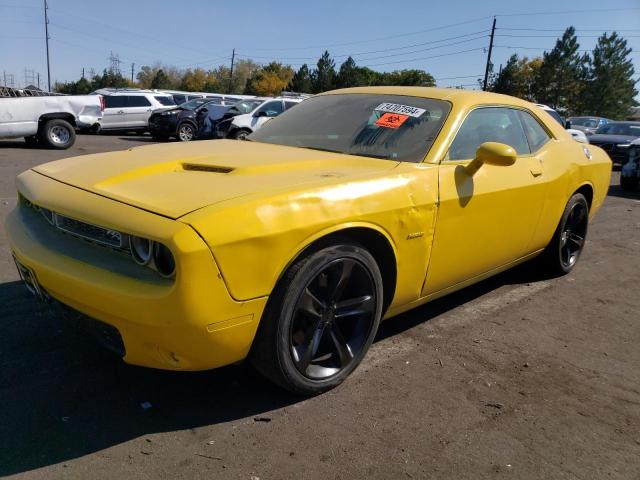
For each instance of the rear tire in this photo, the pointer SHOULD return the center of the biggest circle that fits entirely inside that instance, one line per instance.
(567, 243)
(320, 320)
(57, 133)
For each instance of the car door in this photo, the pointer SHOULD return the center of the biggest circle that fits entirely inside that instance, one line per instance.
(114, 115)
(139, 110)
(486, 219)
(265, 112)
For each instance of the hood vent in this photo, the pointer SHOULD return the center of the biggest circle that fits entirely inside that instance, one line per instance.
(195, 167)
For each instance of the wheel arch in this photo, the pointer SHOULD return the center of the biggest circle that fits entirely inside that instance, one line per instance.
(585, 189)
(373, 238)
(68, 117)
(235, 130)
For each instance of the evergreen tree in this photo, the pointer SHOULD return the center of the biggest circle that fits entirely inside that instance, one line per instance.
(161, 80)
(610, 89)
(301, 81)
(348, 75)
(508, 79)
(410, 78)
(562, 76)
(323, 77)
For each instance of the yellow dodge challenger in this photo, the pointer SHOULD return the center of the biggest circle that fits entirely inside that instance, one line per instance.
(289, 248)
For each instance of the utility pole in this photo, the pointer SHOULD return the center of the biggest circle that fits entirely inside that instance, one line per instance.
(486, 71)
(233, 58)
(46, 37)
(82, 72)
(38, 80)
(132, 67)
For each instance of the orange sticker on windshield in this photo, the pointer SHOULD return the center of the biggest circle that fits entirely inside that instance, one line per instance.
(391, 120)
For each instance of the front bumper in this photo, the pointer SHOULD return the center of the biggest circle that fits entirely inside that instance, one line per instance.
(163, 125)
(189, 322)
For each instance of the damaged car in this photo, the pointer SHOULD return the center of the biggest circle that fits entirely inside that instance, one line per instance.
(290, 248)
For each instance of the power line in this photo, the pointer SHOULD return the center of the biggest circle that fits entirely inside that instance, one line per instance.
(572, 12)
(391, 55)
(556, 36)
(370, 40)
(355, 54)
(562, 29)
(410, 60)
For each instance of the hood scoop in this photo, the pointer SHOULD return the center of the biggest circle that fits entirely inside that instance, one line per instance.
(198, 167)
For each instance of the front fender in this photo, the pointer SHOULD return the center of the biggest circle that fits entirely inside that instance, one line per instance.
(254, 241)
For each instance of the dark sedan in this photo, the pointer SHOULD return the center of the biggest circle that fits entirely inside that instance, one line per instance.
(195, 119)
(588, 125)
(615, 138)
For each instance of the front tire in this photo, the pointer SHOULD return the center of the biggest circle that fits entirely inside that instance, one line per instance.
(58, 134)
(186, 132)
(241, 134)
(565, 248)
(321, 319)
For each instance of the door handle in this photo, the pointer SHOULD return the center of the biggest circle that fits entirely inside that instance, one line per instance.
(149, 110)
(120, 111)
(535, 168)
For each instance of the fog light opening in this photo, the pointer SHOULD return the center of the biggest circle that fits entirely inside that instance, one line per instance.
(164, 261)
(141, 249)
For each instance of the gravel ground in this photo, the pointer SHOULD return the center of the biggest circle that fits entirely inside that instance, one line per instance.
(516, 377)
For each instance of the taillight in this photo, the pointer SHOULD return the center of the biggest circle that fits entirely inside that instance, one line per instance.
(101, 103)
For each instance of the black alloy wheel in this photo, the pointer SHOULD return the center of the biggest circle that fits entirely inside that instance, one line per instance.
(332, 319)
(320, 320)
(574, 234)
(568, 241)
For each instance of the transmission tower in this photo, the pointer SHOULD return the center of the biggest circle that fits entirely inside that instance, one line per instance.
(114, 63)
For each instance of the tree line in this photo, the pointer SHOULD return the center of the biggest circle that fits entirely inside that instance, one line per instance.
(599, 83)
(250, 78)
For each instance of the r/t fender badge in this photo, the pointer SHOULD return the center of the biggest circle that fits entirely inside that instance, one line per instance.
(587, 153)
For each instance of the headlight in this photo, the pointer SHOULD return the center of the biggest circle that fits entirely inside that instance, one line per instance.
(141, 249)
(163, 260)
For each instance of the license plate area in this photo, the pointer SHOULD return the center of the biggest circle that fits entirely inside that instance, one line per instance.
(29, 279)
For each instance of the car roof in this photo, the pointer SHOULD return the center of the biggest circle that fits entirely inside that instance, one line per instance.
(448, 94)
(624, 122)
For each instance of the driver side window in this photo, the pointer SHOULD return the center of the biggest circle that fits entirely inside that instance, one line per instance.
(488, 124)
(272, 109)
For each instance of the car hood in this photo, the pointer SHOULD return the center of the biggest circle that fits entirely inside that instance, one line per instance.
(176, 179)
(603, 138)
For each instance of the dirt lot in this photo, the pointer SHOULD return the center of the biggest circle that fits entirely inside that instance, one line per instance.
(517, 377)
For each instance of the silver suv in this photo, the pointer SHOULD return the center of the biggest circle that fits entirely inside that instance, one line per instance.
(130, 109)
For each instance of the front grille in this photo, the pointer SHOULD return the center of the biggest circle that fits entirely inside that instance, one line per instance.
(86, 231)
(94, 233)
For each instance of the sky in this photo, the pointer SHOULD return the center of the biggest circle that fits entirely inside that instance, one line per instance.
(449, 39)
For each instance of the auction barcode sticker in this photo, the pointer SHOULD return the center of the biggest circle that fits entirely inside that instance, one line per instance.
(401, 109)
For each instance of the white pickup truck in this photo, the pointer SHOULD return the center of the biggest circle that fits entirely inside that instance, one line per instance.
(50, 121)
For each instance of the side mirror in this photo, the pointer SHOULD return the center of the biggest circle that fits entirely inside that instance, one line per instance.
(204, 110)
(567, 124)
(260, 113)
(492, 153)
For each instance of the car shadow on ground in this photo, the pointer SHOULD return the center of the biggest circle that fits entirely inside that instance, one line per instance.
(62, 397)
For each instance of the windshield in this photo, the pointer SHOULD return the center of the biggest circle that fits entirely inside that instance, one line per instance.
(396, 127)
(585, 122)
(630, 129)
(168, 101)
(195, 103)
(245, 106)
